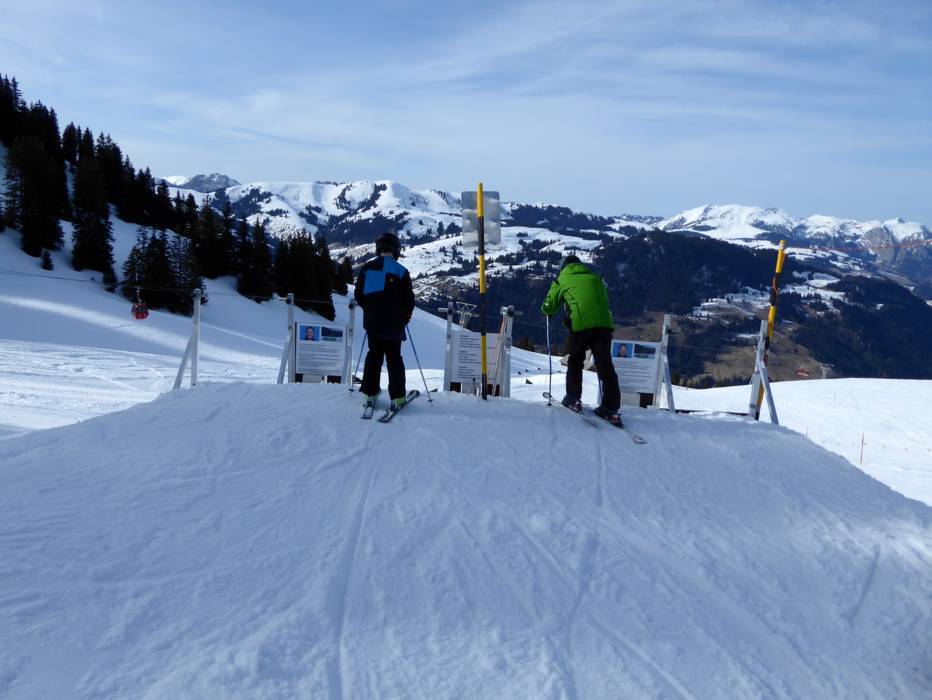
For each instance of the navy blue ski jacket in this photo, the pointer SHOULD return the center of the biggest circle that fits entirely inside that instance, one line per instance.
(385, 293)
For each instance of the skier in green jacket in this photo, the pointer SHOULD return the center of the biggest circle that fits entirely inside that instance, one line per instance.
(582, 292)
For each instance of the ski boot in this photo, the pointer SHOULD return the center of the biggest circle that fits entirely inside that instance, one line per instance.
(368, 408)
(612, 417)
(575, 405)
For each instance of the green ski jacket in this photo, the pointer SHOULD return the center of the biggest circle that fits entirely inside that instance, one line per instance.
(585, 296)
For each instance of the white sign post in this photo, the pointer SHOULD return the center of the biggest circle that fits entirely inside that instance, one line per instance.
(192, 350)
(287, 363)
(761, 378)
(463, 363)
(663, 369)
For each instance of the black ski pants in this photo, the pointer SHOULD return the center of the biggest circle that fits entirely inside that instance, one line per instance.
(390, 351)
(599, 340)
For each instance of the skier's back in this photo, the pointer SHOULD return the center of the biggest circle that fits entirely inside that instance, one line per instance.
(386, 295)
(583, 293)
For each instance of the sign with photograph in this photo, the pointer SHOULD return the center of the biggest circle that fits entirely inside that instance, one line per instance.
(467, 356)
(637, 364)
(320, 349)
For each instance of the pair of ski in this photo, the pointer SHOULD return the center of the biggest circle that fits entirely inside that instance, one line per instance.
(392, 410)
(593, 419)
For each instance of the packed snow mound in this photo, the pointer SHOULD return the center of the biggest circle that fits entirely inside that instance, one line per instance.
(261, 541)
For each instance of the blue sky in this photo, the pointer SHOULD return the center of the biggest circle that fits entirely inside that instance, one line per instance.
(635, 106)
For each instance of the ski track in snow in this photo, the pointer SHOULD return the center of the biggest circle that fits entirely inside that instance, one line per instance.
(279, 546)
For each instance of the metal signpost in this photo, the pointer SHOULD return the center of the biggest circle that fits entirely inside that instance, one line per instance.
(474, 233)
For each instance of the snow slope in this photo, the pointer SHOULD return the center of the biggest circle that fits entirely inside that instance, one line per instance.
(70, 350)
(260, 541)
(891, 416)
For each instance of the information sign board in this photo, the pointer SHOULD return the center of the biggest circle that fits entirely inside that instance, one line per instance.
(636, 364)
(320, 349)
(467, 356)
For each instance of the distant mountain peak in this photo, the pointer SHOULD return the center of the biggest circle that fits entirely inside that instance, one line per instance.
(202, 183)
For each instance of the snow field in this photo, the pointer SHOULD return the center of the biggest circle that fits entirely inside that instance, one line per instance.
(890, 415)
(261, 541)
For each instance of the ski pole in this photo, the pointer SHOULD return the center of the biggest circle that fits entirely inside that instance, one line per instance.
(411, 338)
(365, 339)
(549, 367)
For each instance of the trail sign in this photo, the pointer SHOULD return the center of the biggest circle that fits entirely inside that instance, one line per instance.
(492, 206)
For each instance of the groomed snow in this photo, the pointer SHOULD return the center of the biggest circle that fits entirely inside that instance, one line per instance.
(261, 541)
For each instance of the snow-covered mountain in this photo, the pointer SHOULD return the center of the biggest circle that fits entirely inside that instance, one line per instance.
(733, 222)
(354, 213)
(202, 183)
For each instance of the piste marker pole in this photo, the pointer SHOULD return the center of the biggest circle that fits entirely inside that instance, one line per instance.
(772, 316)
(485, 361)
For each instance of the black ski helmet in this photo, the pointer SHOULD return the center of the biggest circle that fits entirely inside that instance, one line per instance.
(569, 260)
(388, 243)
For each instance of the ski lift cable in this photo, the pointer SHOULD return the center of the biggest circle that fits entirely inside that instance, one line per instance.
(152, 288)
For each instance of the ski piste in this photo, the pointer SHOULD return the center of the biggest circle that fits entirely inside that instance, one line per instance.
(391, 411)
(592, 418)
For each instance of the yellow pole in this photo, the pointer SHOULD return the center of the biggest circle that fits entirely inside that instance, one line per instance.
(481, 223)
(772, 315)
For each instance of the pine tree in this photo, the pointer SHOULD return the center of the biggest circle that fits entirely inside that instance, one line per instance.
(9, 110)
(134, 267)
(299, 263)
(132, 205)
(244, 258)
(110, 159)
(255, 274)
(227, 249)
(31, 200)
(162, 213)
(323, 274)
(262, 263)
(281, 272)
(185, 272)
(189, 218)
(69, 143)
(339, 280)
(86, 146)
(345, 271)
(93, 232)
(207, 244)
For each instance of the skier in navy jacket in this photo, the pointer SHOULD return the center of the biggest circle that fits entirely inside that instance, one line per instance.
(385, 293)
